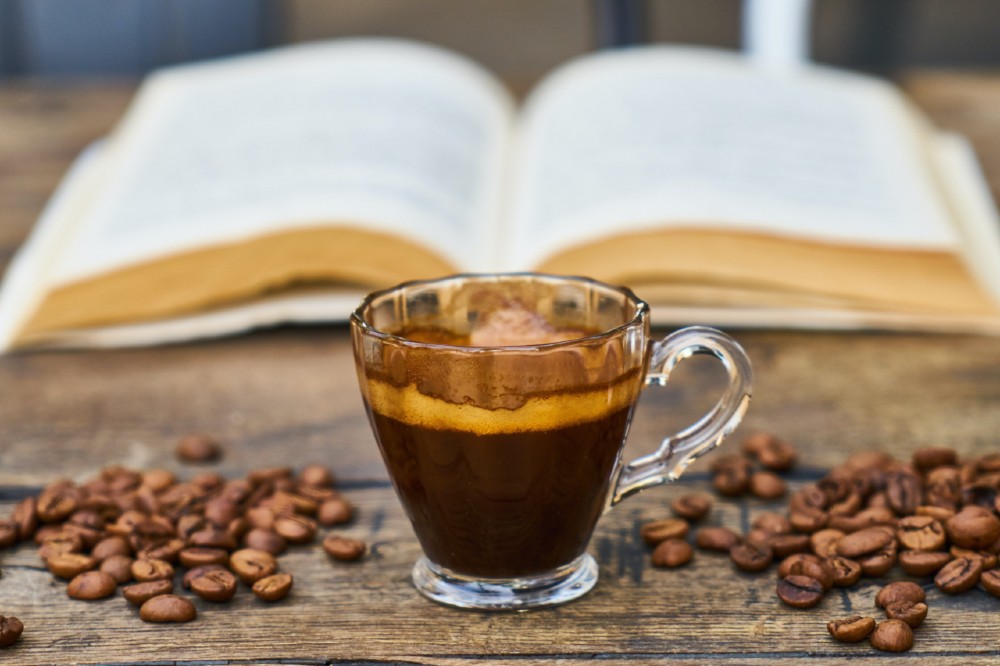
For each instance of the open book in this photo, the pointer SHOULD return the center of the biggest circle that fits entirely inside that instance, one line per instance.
(282, 186)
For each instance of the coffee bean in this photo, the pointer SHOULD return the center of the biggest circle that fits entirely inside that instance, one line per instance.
(691, 506)
(851, 629)
(91, 585)
(930, 457)
(114, 545)
(824, 542)
(273, 588)
(197, 556)
(731, 481)
(910, 612)
(806, 498)
(959, 575)
(343, 549)
(251, 565)
(669, 553)
(146, 570)
(892, 636)
(786, 565)
(920, 563)
(870, 517)
(167, 608)
(903, 491)
(818, 571)
(938, 513)
(56, 504)
(212, 537)
(220, 511)
(772, 522)
(336, 511)
(295, 529)
(879, 562)
(989, 559)
(198, 449)
(8, 534)
(800, 591)
(846, 572)
(808, 520)
(70, 565)
(140, 593)
(901, 590)
(10, 630)
(720, 539)
(863, 542)
(656, 531)
(771, 452)
(216, 586)
(118, 567)
(266, 540)
(921, 533)
(766, 485)
(784, 545)
(751, 556)
(168, 550)
(25, 518)
(973, 529)
(191, 574)
(991, 581)
(60, 543)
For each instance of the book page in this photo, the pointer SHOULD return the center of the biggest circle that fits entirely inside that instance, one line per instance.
(659, 136)
(378, 134)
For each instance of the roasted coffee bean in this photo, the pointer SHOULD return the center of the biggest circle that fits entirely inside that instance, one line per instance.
(273, 588)
(921, 533)
(731, 481)
(808, 520)
(851, 629)
(720, 539)
(806, 498)
(140, 593)
(261, 517)
(118, 567)
(973, 529)
(903, 491)
(668, 553)
(220, 511)
(863, 542)
(784, 545)
(824, 542)
(991, 581)
(295, 529)
(771, 452)
(196, 557)
(880, 562)
(158, 480)
(772, 522)
(25, 518)
(846, 572)
(988, 558)
(251, 565)
(336, 511)
(800, 591)
(819, 571)
(168, 551)
(8, 534)
(785, 567)
(751, 556)
(656, 531)
(146, 570)
(70, 565)
(912, 613)
(167, 608)
(938, 513)
(263, 474)
(60, 543)
(212, 538)
(215, 586)
(693, 506)
(901, 590)
(10, 630)
(91, 585)
(266, 540)
(191, 574)
(959, 575)
(921, 563)
(847, 506)
(316, 476)
(767, 485)
(56, 504)
(892, 636)
(198, 449)
(870, 517)
(113, 545)
(344, 549)
(930, 457)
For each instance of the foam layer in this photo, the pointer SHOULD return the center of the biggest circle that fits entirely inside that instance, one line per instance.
(545, 412)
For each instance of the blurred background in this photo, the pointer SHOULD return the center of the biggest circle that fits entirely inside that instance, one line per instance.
(518, 39)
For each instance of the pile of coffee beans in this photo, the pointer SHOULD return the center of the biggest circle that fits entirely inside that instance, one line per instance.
(139, 529)
(935, 516)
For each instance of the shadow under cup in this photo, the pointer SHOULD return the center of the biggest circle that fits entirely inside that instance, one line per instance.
(500, 404)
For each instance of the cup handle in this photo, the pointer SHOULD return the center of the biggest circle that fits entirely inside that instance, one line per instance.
(678, 451)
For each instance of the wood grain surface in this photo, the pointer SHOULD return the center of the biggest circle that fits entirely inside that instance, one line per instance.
(288, 396)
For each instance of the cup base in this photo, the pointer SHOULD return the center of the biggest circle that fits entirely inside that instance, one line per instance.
(506, 594)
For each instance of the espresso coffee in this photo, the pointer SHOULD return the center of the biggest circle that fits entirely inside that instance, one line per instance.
(510, 492)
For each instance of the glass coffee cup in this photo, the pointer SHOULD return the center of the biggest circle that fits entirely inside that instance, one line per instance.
(501, 404)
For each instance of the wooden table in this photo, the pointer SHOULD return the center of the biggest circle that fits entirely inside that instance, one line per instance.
(289, 396)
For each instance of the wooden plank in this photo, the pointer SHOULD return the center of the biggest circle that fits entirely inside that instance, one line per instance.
(369, 611)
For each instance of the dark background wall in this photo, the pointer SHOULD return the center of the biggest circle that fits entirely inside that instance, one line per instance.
(520, 39)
